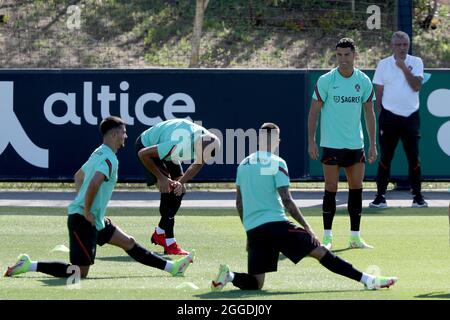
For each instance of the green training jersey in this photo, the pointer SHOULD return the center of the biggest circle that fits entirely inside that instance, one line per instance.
(343, 98)
(102, 160)
(174, 139)
(258, 177)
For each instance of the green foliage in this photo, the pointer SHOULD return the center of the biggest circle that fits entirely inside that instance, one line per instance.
(236, 33)
(4, 18)
(433, 43)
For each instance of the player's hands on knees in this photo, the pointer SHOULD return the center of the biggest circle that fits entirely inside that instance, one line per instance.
(313, 151)
(164, 185)
(178, 188)
(373, 154)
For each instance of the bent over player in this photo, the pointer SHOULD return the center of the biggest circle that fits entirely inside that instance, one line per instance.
(160, 150)
(95, 182)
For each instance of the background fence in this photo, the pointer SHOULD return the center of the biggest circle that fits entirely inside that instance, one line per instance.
(145, 33)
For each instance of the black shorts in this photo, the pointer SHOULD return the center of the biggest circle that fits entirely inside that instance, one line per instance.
(84, 237)
(267, 241)
(168, 168)
(342, 157)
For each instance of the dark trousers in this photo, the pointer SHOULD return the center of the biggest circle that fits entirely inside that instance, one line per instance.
(392, 129)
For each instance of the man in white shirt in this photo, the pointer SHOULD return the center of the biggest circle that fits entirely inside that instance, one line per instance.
(398, 79)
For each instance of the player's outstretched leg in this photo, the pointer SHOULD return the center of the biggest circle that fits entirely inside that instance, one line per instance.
(243, 281)
(222, 278)
(337, 265)
(54, 268)
(21, 266)
(380, 282)
(180, 266)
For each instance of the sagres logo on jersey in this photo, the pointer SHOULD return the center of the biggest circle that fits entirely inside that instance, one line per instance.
(346, 99)
(11, 131)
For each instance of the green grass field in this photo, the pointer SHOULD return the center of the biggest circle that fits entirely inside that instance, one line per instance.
(412, 244)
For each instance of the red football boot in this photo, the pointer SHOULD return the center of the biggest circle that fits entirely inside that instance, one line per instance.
(159, 239)
(175, 249)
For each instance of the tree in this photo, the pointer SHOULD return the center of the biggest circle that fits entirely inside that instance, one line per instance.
(431, 7)
(197, 33)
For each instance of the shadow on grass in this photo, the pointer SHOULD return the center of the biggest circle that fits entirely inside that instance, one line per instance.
(387, 212)
(152, 212)
(59, 282)
(342, 250)
(116, 259)
(237, 294)
(130, 259)
(434, 295)
(114, 212)
(54, 282)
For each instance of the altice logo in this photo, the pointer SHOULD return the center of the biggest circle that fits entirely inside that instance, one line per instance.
(11, 131)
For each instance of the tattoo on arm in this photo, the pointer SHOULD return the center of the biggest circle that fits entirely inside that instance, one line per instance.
(291, 207)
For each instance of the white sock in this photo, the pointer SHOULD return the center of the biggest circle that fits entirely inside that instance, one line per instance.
(327, 233)
(231, 276)
(33, 266)
(367, 278)
(355, 234)
(169, 241)
(159, 230)
(169, 266)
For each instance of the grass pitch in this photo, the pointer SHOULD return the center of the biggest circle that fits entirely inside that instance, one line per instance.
(412, 244)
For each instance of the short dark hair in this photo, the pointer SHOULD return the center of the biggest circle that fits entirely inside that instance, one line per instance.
(269, 126)
(109, 123)
(267, 132)
(346, 43)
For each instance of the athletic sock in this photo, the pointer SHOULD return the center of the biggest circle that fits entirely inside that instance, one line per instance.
(366, 278)
(328, 209)
(142, 255)
(159, 230)
(54, 268)
(355, 208)
(245, 281)
(169, 266)
(340, 266)
(355, 234)
(33, 266)
(164, 208)
(169, 241)
(168, 208)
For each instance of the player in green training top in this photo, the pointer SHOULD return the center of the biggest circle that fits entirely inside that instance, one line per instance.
(87, 224)
(160, 150)
(262, 196)
(339, 97)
